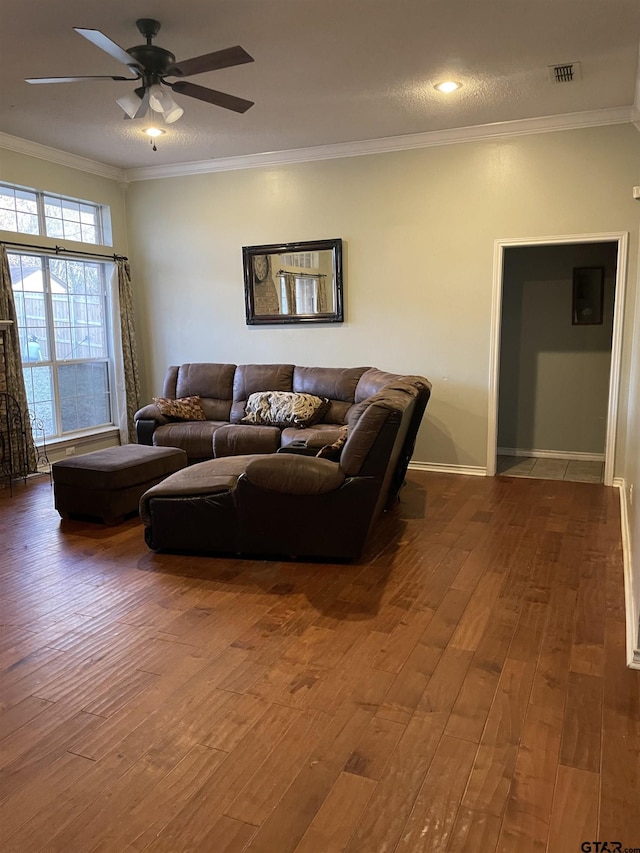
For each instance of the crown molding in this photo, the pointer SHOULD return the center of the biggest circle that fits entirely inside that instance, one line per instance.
(61, 158)
(497, 130)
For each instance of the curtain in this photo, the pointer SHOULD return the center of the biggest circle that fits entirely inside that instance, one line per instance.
(130, 399)
(287, 292)
(14, 376)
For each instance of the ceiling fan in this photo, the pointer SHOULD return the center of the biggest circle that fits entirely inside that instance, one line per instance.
(151, 65)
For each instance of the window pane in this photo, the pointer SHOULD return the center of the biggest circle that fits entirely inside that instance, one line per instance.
(7, 198)
(29, 299)
(52, 207)
(70, 210)
(27, 223)
(26, 201)
(89, 234)
(72, 220)
(18, 210)
(55, 228)
(79, 319)
(8, 220)
(84, 399)
(72, 230)
(39, 388)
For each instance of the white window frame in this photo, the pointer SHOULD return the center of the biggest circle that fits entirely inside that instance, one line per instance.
(41, 198)
(55, 361)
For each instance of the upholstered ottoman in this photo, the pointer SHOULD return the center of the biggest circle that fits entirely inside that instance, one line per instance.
(108, 484)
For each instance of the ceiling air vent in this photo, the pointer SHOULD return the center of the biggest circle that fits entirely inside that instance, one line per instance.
(565, 73)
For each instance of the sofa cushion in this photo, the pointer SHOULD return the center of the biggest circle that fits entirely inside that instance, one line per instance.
(338, 384)
(250, 378)
(205, 380)
(205, 478)
(213, 383)
(184, 409)
(194, 437)
(284, 408)
(375, 380)
(295, 475)
(371, 381)
(238, 439)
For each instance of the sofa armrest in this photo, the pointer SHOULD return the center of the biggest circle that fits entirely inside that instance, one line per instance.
(145, 430)
(294, 475)
(299, 448)
(151, 413)
(146, 420)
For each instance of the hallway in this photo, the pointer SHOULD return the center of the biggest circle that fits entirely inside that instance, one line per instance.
(573, 470)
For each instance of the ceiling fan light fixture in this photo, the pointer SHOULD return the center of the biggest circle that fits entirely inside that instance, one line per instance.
(129, 103)
(448, 86)
(153, 131)
(173, 114)
(160, 101)
(157, 97)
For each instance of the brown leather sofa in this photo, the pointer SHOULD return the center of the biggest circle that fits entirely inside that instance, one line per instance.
(223, 390)
(287, 503)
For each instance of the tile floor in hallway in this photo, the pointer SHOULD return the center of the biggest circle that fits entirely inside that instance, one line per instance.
(575, 470)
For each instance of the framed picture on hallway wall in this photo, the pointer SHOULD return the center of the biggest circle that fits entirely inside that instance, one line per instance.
(588, 296)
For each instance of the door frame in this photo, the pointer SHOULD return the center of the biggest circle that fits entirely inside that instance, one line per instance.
(499, 247)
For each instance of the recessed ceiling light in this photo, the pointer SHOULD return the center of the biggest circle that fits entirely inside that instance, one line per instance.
(448, 86)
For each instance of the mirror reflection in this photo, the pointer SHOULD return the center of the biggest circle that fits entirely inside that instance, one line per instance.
(293, 282)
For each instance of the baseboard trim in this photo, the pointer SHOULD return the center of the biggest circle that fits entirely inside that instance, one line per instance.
(440, 468)
(551, 454)
(631, 614)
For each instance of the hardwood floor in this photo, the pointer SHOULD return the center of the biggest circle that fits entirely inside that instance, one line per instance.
(462, 688)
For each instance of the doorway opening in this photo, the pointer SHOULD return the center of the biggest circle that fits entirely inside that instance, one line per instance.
(556, 339)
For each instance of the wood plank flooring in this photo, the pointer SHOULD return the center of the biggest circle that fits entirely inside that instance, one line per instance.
(462, 688)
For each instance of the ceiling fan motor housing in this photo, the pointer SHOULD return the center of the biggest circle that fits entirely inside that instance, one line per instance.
(156, 61)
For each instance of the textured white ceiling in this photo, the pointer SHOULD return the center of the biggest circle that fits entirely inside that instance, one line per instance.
(325, 71)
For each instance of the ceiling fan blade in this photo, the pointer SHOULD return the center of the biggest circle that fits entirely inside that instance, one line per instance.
(71, 79)
(144, 105)
(226, 58)
(110, 47)
(211, 96)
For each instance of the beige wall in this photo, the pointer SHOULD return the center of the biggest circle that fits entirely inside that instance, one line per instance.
(554, 376)
(418, 229)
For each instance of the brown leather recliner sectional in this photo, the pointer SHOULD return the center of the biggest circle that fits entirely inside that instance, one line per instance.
(261, 490)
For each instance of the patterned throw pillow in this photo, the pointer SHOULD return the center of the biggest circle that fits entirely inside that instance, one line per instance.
(184, 408)
(284, 408)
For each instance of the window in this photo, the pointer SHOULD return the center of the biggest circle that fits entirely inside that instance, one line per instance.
(62, 309)
(30, 211)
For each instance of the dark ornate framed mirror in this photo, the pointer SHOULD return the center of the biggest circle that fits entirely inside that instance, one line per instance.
(293, 282)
